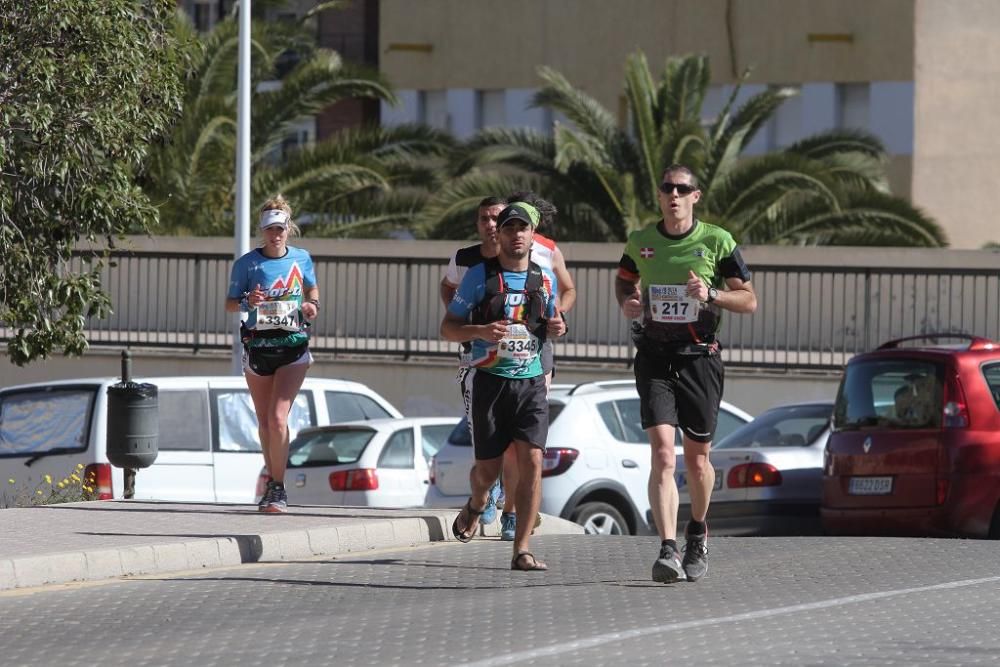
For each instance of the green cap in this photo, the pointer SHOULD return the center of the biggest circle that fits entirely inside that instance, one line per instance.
(519, 211)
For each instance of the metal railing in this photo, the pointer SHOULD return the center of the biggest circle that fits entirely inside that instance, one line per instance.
(809, 317)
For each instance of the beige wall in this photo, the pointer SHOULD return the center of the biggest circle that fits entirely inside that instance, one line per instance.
(956, 160)
(486, 44)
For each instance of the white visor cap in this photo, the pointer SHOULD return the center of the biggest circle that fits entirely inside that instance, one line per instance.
(273, 217)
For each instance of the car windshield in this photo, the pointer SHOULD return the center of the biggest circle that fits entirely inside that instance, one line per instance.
(889, 394)
(328, 448)
(787, 426)
(460, 436)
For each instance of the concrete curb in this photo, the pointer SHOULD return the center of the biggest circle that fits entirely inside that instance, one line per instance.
(272, 546)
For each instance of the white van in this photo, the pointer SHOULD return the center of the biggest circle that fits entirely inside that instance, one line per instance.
(209, 450)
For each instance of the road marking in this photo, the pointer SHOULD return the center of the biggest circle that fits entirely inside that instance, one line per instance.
(611, 637)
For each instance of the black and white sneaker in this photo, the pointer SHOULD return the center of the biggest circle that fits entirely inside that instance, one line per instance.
(667, 569)
(266, 497)
(695, 555)
(278, 502)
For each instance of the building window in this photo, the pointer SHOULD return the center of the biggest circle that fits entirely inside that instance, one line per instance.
(785, 126)
(853, 105)
(490, 108)
(432, 109)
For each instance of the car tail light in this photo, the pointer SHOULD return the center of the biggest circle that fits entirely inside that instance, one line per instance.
(431, 470)
(362, 479)
(753, 474)
(942, 491)
(557, 461)
(956, 410)
(98, 475)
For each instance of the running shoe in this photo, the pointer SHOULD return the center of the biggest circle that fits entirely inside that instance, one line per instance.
(278, 503)
(265, 498)
(490, 511)
(508, 526)
(695, 555)
(667, 569)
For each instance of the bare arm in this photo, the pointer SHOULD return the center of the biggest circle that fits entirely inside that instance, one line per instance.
(310, 310)
(567, 290)
(253, 297)
(738, 297)
(447, 291)
(456, 329)
(629, 297)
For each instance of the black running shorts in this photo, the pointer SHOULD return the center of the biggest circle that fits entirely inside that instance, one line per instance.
(548, 357)
(504, 409)
(680, 390)
(266, 360)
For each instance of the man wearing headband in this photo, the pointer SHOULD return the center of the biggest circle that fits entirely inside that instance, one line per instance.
(506, 308)
(275, 285)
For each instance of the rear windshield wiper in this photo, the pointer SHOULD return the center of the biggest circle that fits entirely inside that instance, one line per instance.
(859, 424)
(50, 452)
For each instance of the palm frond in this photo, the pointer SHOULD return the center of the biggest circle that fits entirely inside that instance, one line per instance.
(739, 130)
(685, 80)
(581, 109)
(839, 141)
(523, 148)
(450, 213)
(640, 91)
(310, 87)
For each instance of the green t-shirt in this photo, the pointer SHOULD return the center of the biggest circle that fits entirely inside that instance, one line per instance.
(661, 263)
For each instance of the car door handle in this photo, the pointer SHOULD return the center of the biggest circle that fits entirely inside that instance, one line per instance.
(629, 463)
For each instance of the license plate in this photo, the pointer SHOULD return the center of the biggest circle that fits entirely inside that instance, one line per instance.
(682, 480)
(870, 486)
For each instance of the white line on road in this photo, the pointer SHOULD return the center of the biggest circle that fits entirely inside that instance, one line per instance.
(610, 637)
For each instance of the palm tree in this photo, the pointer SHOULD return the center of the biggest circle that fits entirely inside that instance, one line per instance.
(356, 182)
(826, 189)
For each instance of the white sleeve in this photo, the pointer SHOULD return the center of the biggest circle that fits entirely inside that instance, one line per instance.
(451, 273)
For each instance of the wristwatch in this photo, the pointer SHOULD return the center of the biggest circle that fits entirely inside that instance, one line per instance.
(713, 294)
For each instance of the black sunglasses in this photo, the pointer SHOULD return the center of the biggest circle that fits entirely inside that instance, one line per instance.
(682, 188)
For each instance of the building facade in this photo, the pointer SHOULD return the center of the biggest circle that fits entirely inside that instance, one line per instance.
(919, 74)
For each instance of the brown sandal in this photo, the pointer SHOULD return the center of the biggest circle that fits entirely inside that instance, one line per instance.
(463, 535)
(536, 565)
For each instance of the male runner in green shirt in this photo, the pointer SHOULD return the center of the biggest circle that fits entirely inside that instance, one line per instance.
(678, 276)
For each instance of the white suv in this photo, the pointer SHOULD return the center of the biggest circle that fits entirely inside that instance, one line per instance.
(209, 450)
(596, 464)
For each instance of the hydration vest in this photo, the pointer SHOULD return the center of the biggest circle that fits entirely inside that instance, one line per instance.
(492, 308)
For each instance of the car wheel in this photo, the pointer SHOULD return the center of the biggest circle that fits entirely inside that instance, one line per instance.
(600, 519)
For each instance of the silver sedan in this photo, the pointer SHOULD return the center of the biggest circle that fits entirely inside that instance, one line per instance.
(768, 474)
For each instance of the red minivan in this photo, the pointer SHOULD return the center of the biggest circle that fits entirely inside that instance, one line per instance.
(915, 441)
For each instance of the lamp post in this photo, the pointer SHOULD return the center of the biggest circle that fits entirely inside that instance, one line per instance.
(242, 161)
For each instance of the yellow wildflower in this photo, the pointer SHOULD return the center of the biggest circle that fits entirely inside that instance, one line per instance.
(74, 477)
(39, 492)
(48, 479)
(12, 481)
(88, 489)
(60, 485)
(79, 466)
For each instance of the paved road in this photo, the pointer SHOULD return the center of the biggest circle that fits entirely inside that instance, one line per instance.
(766, 601)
